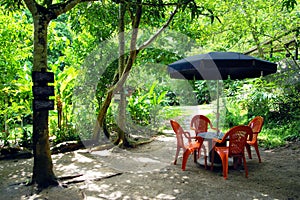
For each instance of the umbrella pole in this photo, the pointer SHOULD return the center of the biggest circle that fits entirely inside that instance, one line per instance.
(218, 114)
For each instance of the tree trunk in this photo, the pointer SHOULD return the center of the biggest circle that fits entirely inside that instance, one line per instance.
(121, 121)
(125, 67)
(101, 117)
(43, 174)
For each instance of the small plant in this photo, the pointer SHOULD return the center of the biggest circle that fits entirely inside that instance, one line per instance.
(26, 139)
(66, 133)
(273, 135)
(235, 114)
(143, 107)
(202, 92)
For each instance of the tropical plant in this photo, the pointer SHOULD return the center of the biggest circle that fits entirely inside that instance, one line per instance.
(15, 68)
(202, 92)
(144, 106)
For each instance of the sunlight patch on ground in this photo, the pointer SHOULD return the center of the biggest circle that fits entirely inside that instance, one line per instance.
(101, 190)
(137, 162)
(145, 160)
(167, 139)
(80, 158)
(165, 196)
(102, 153)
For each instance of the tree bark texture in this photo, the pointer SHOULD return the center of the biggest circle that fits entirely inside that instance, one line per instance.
(43, 174)
(101, 116)
(122, 104)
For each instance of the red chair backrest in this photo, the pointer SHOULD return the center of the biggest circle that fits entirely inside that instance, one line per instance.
(178, 131)
(237, 139)
(200, 123)
(256, 124)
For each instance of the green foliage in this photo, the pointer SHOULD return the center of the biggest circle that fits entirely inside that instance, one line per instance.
(144, 104)
(289, 4)
(66, 133)
(256, 96)
(74, 35)
(98, 19)
(202, 92)
(260, 97)
(286, 105)
(26, 138)
(274, 135)
(105, 80)
(15, 68)
(235, 114)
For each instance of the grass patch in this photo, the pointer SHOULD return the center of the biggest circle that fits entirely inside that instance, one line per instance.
(274, 135)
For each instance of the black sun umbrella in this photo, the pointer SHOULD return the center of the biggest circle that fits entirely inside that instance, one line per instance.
(220, 66)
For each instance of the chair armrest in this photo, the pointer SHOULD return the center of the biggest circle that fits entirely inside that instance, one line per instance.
(217, 140)
(213, 128)
(187, 134)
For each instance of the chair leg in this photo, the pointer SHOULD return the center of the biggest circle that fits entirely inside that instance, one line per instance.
(245, 166)
(200, 146)
(186, 155)
(212, 159)
(249, 151)
(199, 154)
(235, 162)
(205, 161)
(224, 158)
(176, 156)
(195, 155)
(257, 152)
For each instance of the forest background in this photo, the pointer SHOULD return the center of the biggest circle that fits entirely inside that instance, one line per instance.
(81, 41)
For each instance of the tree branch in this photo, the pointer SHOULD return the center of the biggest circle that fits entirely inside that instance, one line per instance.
(134, 35)
(148, 42)
(60, 8)
(157, 4)
(53, 9)
(31, 5)
(122, 11)
(133, 49)
(272, 40)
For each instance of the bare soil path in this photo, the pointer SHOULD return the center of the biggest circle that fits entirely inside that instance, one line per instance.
(147, 172)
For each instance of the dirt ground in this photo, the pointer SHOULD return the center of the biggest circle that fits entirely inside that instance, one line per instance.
(147, 172)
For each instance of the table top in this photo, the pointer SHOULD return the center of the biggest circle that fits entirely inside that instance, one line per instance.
(210, 135)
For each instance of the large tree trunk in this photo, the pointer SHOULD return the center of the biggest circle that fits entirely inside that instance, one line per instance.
(101, 116)
(121, 121)
(43, 174)
(121, 66)
(122, 139)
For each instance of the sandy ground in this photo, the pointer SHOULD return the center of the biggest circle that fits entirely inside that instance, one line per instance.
(147, 172)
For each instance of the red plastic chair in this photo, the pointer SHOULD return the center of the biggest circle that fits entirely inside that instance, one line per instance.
(189, 148)
(199, 124)
(237, 141)
(256, 125)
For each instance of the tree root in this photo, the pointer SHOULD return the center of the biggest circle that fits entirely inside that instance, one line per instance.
(96, 179)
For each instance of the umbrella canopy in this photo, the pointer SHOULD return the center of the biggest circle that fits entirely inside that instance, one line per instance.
(220, 66)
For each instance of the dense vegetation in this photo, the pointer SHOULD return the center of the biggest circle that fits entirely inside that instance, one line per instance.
(271, 27)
